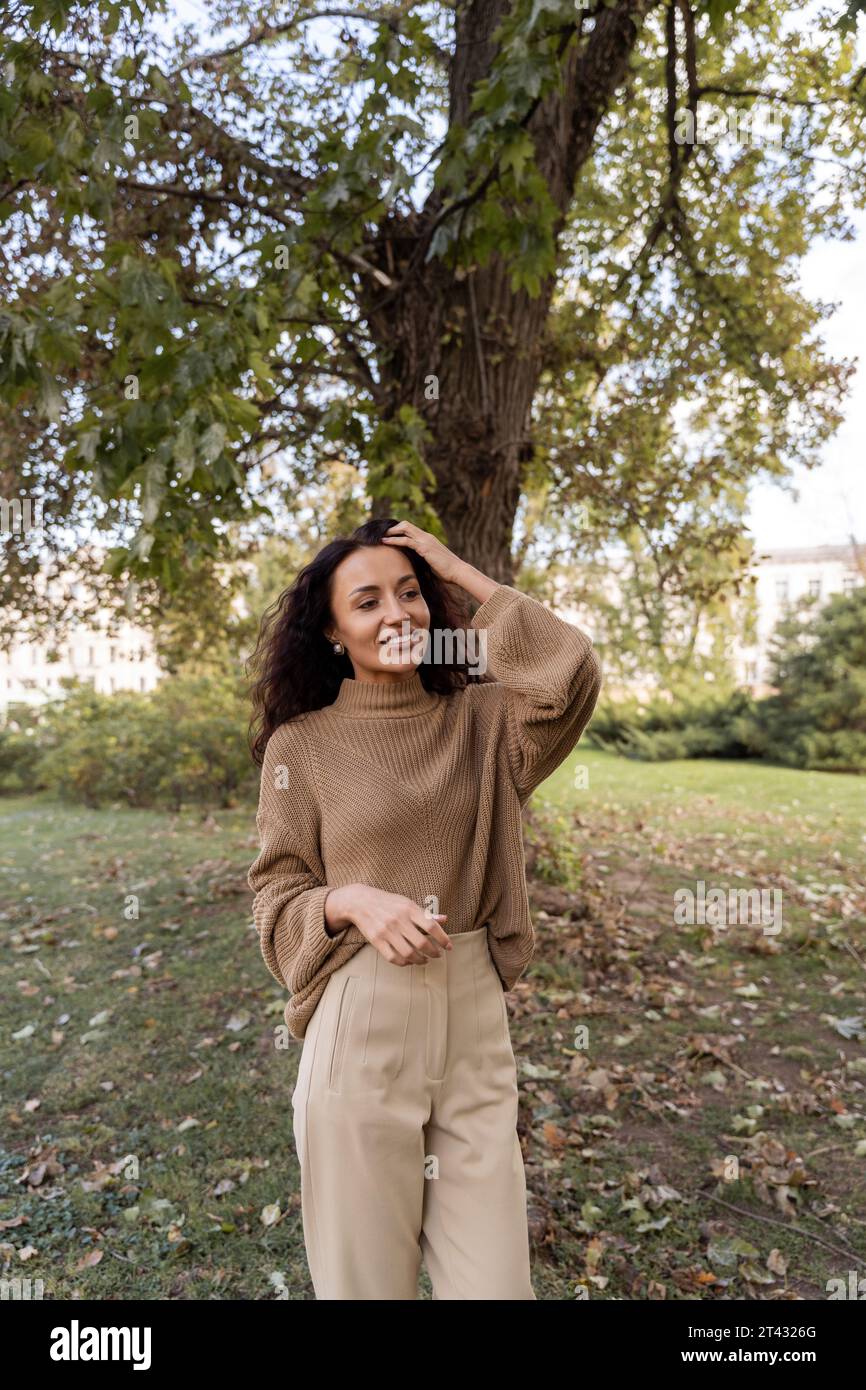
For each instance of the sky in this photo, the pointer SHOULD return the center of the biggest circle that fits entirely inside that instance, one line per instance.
(831, 505)
(827, 504)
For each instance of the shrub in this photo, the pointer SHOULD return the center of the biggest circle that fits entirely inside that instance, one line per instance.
(817, 718)
(717, 726)
(16, 757)
(185, 741)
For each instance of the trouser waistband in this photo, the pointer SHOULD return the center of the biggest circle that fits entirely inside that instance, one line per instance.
(470, 944)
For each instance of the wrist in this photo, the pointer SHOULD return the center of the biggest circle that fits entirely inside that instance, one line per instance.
(476, 584)
(338, 906)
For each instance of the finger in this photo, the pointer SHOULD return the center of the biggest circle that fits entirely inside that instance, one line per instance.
(405, 528)
(437, 932)
(412, 944)
(422, 939)
(397, 951)
(417, 946)
(407, 955)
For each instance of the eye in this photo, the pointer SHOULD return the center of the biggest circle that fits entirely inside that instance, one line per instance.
(410, 593)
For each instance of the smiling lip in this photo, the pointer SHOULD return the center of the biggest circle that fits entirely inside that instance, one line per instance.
(391, 641)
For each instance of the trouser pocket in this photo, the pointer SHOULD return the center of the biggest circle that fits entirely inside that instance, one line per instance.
(368, 1029)
(341, 1030)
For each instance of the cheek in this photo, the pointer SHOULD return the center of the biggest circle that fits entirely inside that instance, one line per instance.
(360, 625)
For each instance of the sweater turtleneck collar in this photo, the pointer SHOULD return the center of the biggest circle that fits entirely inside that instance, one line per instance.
(382, 699)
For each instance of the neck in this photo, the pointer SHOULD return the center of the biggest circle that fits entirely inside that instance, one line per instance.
(382, 699)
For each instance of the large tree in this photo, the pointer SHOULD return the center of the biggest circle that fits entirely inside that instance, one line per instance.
(486, 252)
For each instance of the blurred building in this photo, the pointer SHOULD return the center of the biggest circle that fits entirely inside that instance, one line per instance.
(122, 661)
(783, 577)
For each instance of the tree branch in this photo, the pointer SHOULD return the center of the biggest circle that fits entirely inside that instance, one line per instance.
(765, 96)
(263, 33)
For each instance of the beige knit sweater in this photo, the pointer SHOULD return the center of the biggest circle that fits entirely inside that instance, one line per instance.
(419, 794)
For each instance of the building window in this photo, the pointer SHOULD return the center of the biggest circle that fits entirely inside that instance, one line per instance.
(752, 672)
(111, 654)
(142, 683)
(782, 590)
(814, 588)
(848, 583)
(90, 657)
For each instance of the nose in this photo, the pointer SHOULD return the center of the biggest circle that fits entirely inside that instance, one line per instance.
(395, 614)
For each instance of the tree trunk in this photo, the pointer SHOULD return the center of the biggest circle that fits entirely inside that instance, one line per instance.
(459, 344)
(482, 381)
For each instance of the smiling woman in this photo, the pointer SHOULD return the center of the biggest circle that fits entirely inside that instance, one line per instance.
(396, 798)
(383, 621)
(334, 621)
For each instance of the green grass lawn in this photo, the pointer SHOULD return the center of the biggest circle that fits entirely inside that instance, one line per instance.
(704, 1137)
(723, 1065)
(753, 803)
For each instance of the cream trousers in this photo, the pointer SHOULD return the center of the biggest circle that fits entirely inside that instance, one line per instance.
(405, 1123)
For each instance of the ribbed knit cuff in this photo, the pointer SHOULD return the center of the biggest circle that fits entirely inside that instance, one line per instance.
(501, 598)
(337, 937)
(316, 945)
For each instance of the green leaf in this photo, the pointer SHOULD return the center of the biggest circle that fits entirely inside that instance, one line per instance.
(212, 442)
(717, 10)
(261, 368)
(516, 153)
(183, 452)
(152, 492)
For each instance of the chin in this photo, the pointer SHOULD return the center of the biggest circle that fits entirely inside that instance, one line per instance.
(406, 665)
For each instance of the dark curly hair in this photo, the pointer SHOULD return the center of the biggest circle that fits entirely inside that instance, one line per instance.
(295, 667)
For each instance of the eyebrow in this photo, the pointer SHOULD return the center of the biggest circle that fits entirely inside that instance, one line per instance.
(371, 588)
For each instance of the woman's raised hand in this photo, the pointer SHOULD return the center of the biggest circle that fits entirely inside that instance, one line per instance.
(441, 560)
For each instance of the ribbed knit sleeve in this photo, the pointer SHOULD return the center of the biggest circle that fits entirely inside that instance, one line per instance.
(550, 679)
(288, 877)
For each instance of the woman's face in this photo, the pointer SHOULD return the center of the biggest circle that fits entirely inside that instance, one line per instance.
(379, 614)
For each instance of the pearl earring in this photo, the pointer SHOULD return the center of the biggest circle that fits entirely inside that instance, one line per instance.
(339, 648)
